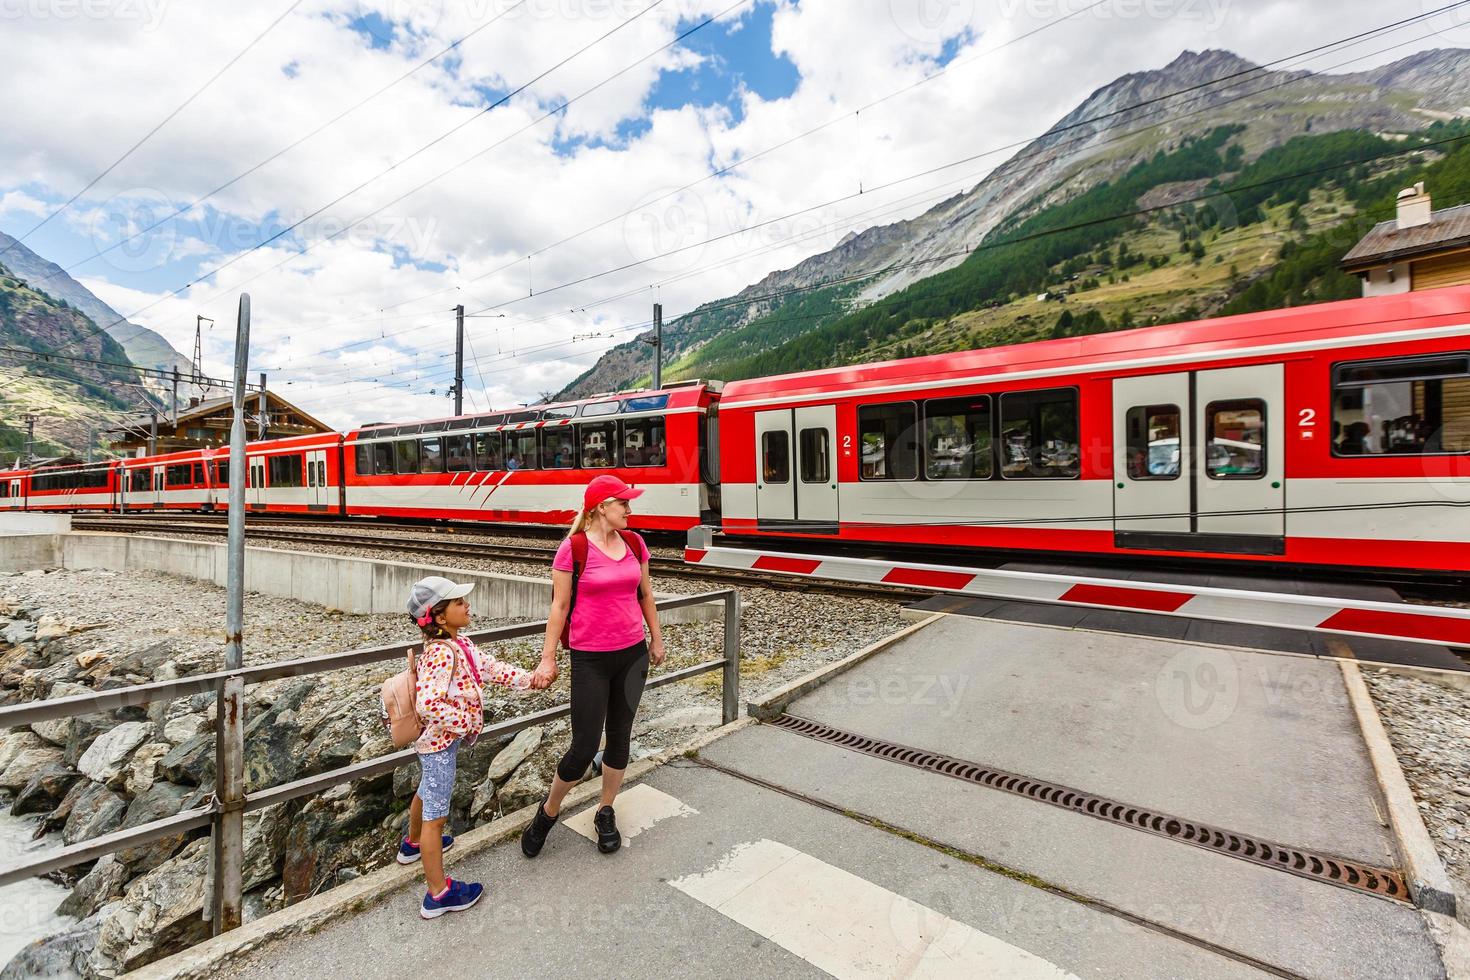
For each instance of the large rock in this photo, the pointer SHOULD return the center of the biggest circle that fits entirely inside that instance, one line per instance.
(191, 761)
(106, 761)
(98, 887)
(30, 763)
(143, 769)
(518, 751)
(45, 791)
(332, 832)
(160, 801)
(58, 730)
(178, 730)
(84, 731)
(96, 812)
(265, 845)
(158, 915)
(57, 818)
(13, 744)
(527, 786)
(18, 632)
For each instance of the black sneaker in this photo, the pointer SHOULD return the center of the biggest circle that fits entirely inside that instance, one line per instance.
(608, 838)
(533, 838)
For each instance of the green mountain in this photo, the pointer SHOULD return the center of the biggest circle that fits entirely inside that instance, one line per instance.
(1205, 187)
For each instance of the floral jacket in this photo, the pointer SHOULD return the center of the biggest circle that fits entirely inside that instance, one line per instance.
(447, 695)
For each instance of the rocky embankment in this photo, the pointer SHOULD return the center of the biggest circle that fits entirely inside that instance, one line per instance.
(100, 773)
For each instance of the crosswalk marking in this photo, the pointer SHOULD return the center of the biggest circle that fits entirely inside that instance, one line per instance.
(638, 807)
(847, 926)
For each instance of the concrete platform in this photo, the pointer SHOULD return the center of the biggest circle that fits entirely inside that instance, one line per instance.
(1243, 635)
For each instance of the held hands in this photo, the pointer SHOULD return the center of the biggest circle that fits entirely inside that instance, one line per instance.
(656, 652)
(544, 676)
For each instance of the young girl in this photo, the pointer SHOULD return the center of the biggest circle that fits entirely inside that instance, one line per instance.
(451, 670)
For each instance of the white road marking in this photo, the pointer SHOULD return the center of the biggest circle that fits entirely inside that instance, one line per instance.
(638, 808)
(848, 926)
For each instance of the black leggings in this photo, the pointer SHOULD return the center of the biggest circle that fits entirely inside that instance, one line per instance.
(606, 686)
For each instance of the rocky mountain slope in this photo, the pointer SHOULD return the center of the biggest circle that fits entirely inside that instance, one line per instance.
(73, 399)
(1121, 125)
(144, 347)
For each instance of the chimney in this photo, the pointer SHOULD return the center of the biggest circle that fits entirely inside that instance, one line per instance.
(193, 401)
(1414, 208)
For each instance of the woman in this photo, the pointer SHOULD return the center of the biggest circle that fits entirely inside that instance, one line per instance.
(608, 604)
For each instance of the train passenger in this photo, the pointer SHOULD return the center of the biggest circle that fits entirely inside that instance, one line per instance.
(601, 600)
(448, 701)
(512, 462)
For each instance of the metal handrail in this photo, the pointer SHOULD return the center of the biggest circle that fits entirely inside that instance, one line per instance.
(209, 814)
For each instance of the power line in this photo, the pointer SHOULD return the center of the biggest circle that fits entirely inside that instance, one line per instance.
(148, 135)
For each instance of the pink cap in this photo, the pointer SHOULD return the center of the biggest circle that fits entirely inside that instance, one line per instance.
(606, 487)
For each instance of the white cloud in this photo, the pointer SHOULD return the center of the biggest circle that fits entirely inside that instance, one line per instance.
(95, 85)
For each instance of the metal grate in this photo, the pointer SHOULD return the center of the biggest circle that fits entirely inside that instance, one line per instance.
(1385, 882)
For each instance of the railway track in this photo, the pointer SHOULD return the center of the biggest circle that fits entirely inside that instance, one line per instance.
(444, 546)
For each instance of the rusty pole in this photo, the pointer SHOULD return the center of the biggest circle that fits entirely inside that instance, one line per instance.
(228, 832)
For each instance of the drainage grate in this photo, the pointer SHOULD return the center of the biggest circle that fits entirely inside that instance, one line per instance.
(1318, 867)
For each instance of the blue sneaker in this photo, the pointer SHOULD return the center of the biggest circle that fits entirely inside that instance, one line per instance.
(457, 898)
(409, 853)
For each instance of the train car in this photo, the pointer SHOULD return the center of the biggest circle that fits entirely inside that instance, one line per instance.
(172, 481)
(531, 464)
(13, 485)
(1335, 434)
(72, 486)
(298, 475)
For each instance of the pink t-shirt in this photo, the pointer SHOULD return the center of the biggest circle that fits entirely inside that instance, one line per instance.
(606, 615)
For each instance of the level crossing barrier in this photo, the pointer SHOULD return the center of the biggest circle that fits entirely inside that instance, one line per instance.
(229, 796)
(1381, 620)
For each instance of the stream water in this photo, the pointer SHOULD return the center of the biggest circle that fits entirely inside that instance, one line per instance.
(27, 908)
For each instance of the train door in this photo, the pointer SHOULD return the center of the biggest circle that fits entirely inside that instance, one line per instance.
(1199, 454)
(816, 465)
(316, 479)
(15, 495)
(775, 500)
(255, 493)
(156, 499)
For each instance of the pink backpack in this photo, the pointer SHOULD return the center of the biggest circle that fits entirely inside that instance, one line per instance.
(398, 709)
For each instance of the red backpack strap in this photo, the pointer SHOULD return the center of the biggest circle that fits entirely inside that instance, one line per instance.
(635, 545)
(579, 564)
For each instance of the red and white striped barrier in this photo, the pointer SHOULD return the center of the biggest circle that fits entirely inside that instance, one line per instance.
(1386, 620)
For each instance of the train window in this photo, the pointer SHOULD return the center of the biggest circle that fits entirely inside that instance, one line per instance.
(1153, 442)
(520, 451)
(1236, 434)
(568, 412)
(311, 473)
(431, 456)
(321, 472)
(409, 430)
(558, 449)
(487, 451)
(600, 408)
(138, 482)
(648, 403)
(887, 439)
(439, 426)
(1408, 406)
(222, 473)
(285, 470)
(457, 454)
(1038, 435)
(517, 417)
(382, 458)
(465, 423)
(814, 460)
(644, 442)
(406, 455)
(599, 445)
(199, 473)
(775, 457)
(485, 420)
(363, 458)
(957, 438)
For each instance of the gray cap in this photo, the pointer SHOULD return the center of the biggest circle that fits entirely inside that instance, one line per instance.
(429, 592)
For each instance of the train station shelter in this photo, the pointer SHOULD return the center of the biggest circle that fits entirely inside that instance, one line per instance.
(1419, 248)
(205, 424)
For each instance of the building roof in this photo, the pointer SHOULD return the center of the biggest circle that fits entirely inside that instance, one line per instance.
(1447, 229)
(209, 407)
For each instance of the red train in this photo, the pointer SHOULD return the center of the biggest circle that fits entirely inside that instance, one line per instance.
(1336, 434)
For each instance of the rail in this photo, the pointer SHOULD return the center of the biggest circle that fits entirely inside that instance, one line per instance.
(229, 741)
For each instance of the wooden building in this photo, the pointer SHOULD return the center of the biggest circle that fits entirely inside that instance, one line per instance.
(1418, 249)
(206, 424)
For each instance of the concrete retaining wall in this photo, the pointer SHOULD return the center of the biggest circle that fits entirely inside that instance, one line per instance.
(355, 585)
(12, 522)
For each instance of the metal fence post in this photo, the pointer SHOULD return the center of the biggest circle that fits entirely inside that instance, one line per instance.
(731, 686)
(228, 831)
